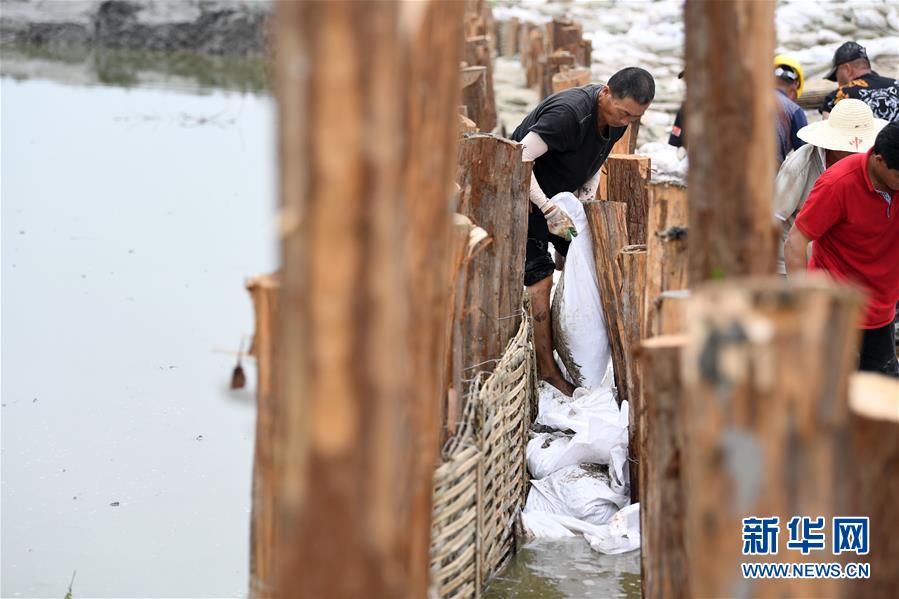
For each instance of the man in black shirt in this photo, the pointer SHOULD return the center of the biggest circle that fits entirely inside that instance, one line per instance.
(569, 136)
(852, 71)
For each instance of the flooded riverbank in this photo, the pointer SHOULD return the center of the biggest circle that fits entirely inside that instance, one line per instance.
(130, 218)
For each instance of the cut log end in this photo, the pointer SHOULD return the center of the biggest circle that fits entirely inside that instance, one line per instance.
(874, 396)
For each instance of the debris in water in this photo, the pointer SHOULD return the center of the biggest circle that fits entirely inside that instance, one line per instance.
(199, 437)
(238, 378)
(69, 594)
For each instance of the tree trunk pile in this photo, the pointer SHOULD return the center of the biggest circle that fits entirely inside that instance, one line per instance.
(874, 480)
(365, 291)
(666, 249)
(662, 494)
(473, 81)
(732, 155)
(568, 35)
(570, 77)
(494, 195)
(478, 54)
(608, 230)
(765, 373)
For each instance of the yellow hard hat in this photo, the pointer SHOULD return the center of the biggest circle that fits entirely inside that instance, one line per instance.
(786, 61)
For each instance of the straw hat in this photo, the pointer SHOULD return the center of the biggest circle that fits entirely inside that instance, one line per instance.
(850, 128)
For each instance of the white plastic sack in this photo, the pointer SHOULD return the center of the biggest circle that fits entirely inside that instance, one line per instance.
(598, 444)
(620, 535)
(549, 452)
(582, 492)
(562, 413)
(579, 329)
(544, 525)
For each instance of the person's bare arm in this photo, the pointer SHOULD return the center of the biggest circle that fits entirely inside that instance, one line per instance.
(795, 251)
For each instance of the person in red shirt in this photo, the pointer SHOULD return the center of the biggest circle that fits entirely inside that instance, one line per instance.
(852, 215)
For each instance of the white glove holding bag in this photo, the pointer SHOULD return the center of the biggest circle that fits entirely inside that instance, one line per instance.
(558, 221)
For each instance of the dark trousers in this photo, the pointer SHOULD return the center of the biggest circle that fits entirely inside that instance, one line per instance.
(878, 351)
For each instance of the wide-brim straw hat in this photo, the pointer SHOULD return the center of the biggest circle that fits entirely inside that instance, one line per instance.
(850, 128)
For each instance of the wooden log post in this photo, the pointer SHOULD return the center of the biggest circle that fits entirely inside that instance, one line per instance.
(628, 142)
(661, 441)
(666, 247)
(509, 42)
(468, 240)
(473, 81)
(874, 480)
(466, 125)
(632, 264)
(629, 177)
(265, 292)
(731, 180)
(364, 290)
(626, 145)
(608, 230)
(533, 49)
(494, 183)
(477, 53)
(670, 312)
(568, 78)
(550, 66)
(583, 54)
(566, 34)
(765, 372)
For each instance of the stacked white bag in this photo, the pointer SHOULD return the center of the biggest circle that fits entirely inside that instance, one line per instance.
(578, 462)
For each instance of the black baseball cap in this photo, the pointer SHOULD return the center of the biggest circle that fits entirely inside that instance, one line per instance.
(845, 53)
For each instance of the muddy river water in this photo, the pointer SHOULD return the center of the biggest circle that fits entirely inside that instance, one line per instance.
(130, 218)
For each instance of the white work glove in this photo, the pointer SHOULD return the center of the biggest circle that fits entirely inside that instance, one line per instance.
(558, 221)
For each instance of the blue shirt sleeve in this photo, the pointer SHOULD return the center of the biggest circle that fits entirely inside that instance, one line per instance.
(798, 120)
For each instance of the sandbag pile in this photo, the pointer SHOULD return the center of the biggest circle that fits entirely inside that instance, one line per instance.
(578, 458)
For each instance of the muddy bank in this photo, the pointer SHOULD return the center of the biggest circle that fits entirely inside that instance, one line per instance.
(223, 27)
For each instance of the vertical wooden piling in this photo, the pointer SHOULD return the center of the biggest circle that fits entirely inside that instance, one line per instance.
(570, 77)
(669, 312)
(510, 35)
(608, 229)
(473, 81)
(765, 371)
(494, 186)
(666, 247)
(732, 160)
(363, 304)
(550, 66)
(628, 177)
(265, 292)
(532, 48)
(661, 440)
(628, 142)
(477, 53)
(632, 264)
(873, 487)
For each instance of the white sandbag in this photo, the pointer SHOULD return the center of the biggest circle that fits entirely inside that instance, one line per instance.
(559, 412)
(600, 429)
(544, 525)
(620, 535)
(579, 328)
(667, 165)
(619, 473)
(548, 452)
(582, 492)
